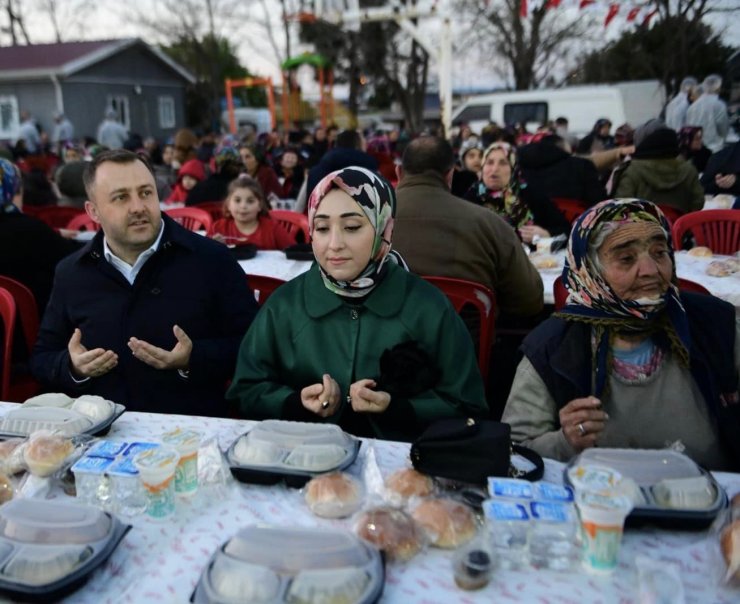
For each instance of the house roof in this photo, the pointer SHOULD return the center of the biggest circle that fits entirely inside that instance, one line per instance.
(65, 58)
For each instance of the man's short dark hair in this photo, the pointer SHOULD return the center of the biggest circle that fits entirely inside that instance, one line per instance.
(117, 156)
(428, 153)
(349, 139)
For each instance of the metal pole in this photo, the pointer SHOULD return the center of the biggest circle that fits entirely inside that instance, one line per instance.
(445, 76)
(230, 107)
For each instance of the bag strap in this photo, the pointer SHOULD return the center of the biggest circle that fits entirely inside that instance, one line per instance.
(529, 455)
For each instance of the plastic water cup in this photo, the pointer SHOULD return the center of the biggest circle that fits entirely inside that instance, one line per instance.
(157, 469)
(602, 516)
(186, 443)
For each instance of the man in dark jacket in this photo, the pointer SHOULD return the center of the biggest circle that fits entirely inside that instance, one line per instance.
(147, 314)
(558, 173)
(722, 174)
(349, 151)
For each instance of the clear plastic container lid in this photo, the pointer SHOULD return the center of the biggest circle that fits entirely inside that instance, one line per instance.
(35, 521)
(292, 448)
(320, 565)
(25, 420)
(645, 466)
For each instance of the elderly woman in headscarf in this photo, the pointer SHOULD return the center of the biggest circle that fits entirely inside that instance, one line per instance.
(357, 340)
(29, 248)
(629, 362)
(502, 189)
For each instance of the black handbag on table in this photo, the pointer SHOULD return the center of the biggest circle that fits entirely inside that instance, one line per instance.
(470, 450)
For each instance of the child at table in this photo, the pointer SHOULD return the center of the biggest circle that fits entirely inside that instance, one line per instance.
(190, 174)
(247, 219)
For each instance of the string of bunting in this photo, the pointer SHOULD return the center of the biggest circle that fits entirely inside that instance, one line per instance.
(636, 10)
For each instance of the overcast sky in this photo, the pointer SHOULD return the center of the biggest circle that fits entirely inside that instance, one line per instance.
(111, 19)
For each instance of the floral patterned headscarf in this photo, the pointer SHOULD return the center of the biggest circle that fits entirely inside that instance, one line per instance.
(378, 201)
(592, 300)
(10, 184)
(506, 202)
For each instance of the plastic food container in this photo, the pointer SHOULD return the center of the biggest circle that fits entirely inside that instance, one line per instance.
(664, 494)
(320, 565)
(276, 450)
(49, 548)
(55, 412)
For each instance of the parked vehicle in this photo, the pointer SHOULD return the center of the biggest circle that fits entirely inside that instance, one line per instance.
(254, 119)
(631, 102)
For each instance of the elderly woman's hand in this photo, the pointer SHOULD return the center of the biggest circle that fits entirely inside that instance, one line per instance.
(322, 399)
(582, 421)
(366, 400)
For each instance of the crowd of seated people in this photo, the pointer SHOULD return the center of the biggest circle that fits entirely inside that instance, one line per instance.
(345, 188)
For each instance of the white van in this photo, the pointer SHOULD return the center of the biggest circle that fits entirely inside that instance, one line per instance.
(248, 119)
(623, 102)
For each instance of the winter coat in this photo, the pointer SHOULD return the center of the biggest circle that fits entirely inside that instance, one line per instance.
(673, 182)
(190, 281)
(305, 331)
(559, 174)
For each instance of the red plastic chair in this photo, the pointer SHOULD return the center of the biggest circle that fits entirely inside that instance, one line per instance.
(263, 286)
(83, 223)
(191, 218)
(214, 208)
(561, 294)
(692, 286)
(467, 293)
(719, 230)
(671, 213)
(57, 217)
(570, 208)
(293, 222)
(23, 386)
(7, 314)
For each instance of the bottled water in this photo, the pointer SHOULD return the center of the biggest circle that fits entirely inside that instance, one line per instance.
(552, 536)
(508, 525)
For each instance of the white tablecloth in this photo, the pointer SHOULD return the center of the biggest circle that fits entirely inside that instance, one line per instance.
(161, 561)
(687, 267)
(273, 263)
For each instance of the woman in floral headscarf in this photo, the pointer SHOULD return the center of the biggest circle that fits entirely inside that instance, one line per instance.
(502, 189)
(630, 361)
(357, 340)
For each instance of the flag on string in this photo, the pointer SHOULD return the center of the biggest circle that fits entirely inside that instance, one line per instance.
(632, 15)
(552, 4)
(585, 3)
(650, 15)
(613, 10)
(523, 9)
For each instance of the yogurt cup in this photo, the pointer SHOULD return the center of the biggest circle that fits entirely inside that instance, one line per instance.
(157, 469)
(186, 443)
(602, 516)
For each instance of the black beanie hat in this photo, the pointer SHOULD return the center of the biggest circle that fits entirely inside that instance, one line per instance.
(659, 144)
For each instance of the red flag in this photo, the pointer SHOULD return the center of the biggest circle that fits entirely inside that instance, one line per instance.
(552, 4)
(523, 9)
(613, 10)
(585, 3)
(632, 15)
(650, 15)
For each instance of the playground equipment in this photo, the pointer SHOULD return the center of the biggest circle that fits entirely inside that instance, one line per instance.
(248, 83)
(326, 85)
